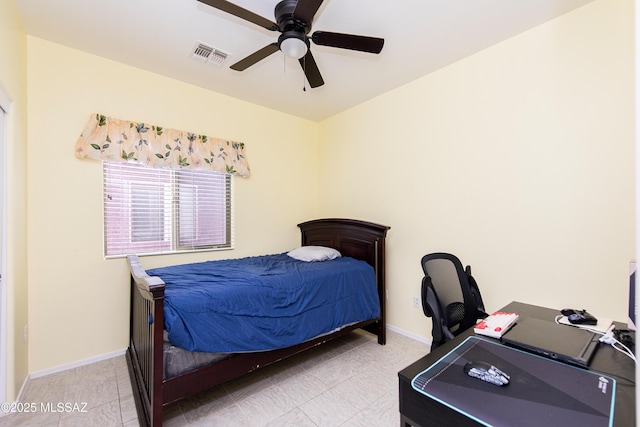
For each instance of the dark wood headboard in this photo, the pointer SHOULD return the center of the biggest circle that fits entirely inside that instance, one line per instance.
(354, 238)
(357, 239)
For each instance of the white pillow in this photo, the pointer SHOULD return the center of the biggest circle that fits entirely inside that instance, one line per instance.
(314, 253)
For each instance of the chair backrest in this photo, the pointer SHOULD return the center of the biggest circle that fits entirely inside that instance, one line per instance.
(450, 296)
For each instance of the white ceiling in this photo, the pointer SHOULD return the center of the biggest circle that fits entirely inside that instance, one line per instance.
(159, 35)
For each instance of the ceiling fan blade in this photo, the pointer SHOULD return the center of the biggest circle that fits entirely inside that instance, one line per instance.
(259, 55)
(311, 70)
(348, 41)
(245, 14)
(306, 9)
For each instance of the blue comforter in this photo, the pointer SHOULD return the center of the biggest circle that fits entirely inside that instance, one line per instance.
(265, 302)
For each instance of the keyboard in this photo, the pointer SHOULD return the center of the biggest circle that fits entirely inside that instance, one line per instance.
(496, 324)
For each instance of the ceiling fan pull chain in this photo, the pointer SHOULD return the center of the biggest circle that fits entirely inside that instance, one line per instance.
(304, 73)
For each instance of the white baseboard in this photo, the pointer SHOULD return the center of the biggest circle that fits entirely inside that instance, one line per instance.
(408, 334)
(22, 389)
(62, 368)
(77, 364)
(19, 396)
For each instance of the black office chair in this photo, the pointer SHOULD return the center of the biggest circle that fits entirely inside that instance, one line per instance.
(450, 296)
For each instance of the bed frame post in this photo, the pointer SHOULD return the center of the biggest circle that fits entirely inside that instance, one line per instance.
(144, 360)
(382, 291)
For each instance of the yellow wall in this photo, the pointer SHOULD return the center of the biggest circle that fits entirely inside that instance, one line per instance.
(519, 159)
(13, 83)
(78, 301)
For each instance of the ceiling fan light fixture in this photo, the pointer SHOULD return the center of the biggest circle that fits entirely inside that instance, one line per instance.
(293, 44)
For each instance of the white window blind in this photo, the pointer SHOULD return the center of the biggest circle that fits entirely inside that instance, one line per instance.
(151, 210)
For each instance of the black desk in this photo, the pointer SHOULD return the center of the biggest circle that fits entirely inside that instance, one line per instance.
(417, 409)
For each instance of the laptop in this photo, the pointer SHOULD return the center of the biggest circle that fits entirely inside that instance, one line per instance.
(564, 343)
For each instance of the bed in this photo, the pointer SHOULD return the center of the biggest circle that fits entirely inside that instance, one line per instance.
(149, 348)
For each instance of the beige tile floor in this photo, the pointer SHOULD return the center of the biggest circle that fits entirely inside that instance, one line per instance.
(352, 381)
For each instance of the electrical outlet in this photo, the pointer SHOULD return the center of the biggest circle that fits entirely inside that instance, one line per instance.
(26, 331)
(416, 302)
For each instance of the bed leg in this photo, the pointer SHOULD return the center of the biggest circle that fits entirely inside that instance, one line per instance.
(382, 335)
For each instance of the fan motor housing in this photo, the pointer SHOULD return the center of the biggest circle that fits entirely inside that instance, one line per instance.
(286, 21)
(293, 34)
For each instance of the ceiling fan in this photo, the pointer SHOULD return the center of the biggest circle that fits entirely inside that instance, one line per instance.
(294, 18)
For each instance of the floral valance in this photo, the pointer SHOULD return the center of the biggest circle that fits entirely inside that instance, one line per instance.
(106, 138)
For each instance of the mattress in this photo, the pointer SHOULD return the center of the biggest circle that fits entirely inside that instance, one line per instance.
(264, 303)
(178, 361)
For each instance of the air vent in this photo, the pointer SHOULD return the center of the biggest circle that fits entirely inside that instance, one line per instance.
(204, 53)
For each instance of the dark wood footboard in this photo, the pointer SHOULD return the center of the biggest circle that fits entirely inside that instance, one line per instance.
(144, 355)
(358, 239)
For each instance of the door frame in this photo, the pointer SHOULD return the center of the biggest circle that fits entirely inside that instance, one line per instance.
(5, 111)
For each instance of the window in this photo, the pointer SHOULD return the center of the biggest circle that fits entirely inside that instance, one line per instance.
(151, 210)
